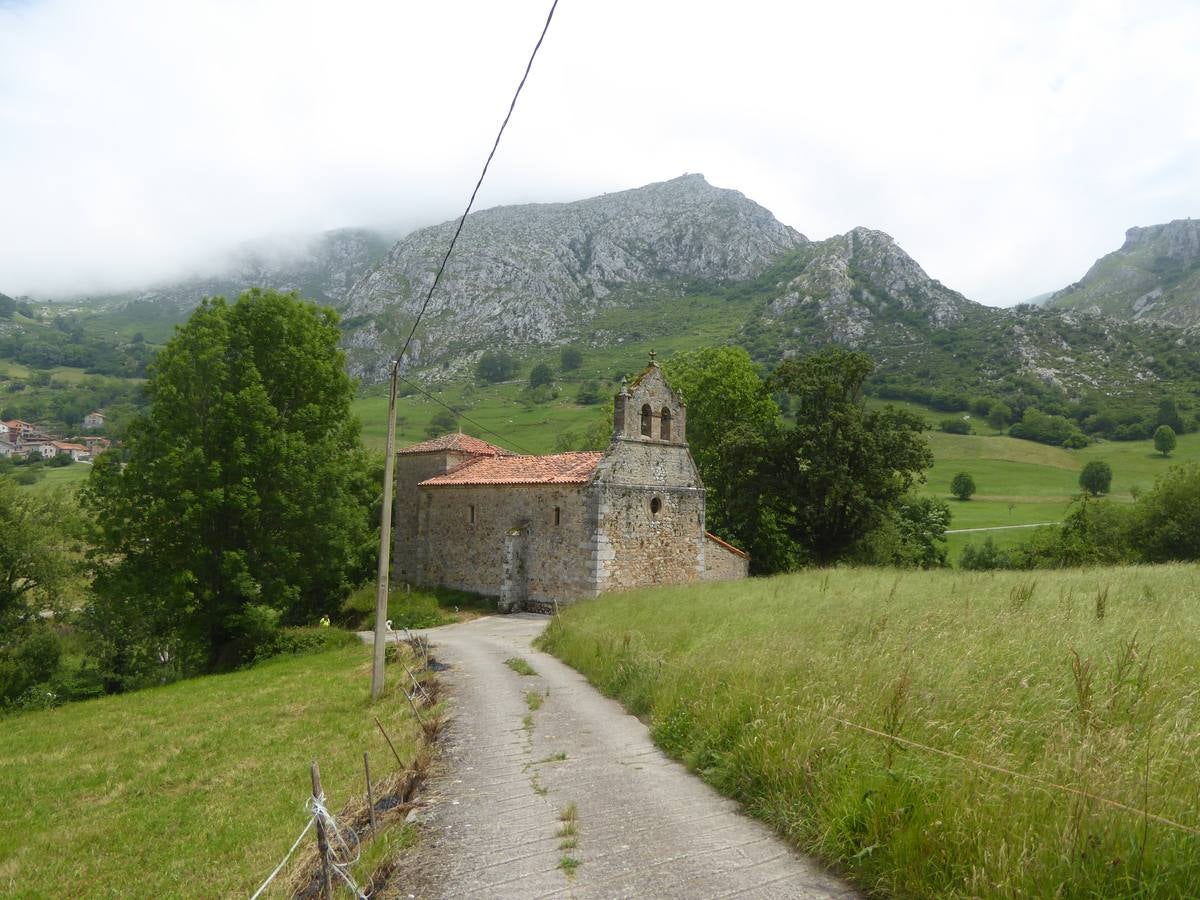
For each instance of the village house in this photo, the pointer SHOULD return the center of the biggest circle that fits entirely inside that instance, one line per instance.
(77, 452)
(535, 530)
(94, 420)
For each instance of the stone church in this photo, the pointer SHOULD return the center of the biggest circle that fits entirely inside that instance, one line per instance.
(533, 530)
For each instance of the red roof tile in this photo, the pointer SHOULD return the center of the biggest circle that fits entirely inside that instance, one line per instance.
(558, 468)
(463, 443)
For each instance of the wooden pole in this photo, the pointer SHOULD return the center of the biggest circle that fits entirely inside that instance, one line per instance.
(385, 540)
(322, 839)
(370, 796)
(399, 761)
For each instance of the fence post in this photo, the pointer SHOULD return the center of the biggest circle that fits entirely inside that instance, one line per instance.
(370, 796)
(322, 840)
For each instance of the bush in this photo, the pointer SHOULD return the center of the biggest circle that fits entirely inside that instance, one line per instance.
(59, 461)
(570, 359)
(982, 557)
(494, 366)
(28, 475)
(541, 376)
(955, 426)
(1044, 428)
(963, 486)
(443, 422)
(589, 394)
(31, 660)
(1164, 440)
(1096, 477)
(1076, 442)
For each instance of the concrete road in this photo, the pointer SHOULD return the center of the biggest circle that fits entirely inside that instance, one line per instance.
(644, 826)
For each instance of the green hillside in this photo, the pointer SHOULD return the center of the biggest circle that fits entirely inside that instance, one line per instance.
(193, 789)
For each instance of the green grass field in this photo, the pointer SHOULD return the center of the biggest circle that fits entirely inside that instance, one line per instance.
(69, 477)
(193, 789)
(1083, 680)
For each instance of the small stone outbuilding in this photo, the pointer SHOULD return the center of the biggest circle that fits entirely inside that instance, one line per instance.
(534, 530)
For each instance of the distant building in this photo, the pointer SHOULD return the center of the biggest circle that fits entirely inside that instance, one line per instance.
(533, 530)
(77, 452)
(94, 420)
(44, 448)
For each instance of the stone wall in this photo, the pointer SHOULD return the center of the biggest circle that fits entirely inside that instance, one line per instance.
(549, 559)
(411, 469)
(721, 563)
(647, 534)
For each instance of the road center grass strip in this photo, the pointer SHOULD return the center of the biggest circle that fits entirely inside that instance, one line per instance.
(1084, 679)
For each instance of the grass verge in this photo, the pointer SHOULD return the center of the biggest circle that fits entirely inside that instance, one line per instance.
(1082, 679)
(418, 608)
(194, 788)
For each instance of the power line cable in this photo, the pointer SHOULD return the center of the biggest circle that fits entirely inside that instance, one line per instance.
(465, 418)
(463, 218)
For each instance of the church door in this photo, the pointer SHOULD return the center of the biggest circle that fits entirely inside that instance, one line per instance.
(514, 590)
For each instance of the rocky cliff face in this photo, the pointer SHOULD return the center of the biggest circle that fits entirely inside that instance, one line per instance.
(1154, 277)
(534, 274)
(854, 283)
(322, 268)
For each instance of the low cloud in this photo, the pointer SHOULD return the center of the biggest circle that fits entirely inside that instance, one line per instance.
(1004, 145)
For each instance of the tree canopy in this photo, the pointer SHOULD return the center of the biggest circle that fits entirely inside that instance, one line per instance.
(1164, 439)
(962, 486)
(802, 492)
(244, 499)
(1096, 477)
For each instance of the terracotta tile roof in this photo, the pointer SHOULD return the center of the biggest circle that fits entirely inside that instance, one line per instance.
(63, 445)
(558, 468)
(463, 443)
(732, 549)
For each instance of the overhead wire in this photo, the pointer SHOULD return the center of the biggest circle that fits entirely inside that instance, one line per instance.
(470, 203)
(465, 418)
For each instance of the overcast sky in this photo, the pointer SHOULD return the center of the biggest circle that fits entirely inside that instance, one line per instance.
(1004, 145)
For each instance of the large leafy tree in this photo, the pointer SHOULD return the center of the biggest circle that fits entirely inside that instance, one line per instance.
(729, 415)
(840, 468)
(243, 497)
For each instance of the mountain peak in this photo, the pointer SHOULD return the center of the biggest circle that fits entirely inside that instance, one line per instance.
(1153, 277)
(530, 273)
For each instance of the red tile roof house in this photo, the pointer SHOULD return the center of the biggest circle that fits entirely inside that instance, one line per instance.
(535, 530)
(75, 451)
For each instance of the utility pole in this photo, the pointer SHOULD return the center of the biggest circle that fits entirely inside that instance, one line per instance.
(385, 542)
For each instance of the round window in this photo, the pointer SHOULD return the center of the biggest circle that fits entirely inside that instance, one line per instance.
(655, 506)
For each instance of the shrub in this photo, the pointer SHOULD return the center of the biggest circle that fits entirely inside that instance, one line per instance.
(589, 394)
(542, 375)
(963, 486)
(1164, 439)
(570, 359)
(1076, 442)
(1044, 428)
(29, 661)
(494, 366)
(1096, 477)
(443, 422)
(59, 461)
(955, 426)
(982, 557)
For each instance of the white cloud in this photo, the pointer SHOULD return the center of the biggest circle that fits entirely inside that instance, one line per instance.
(1004, 145)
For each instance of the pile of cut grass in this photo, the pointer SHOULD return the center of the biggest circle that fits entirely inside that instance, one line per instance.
(193, 789)
(1083, 679)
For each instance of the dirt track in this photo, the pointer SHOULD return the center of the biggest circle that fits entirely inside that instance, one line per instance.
(645, 826)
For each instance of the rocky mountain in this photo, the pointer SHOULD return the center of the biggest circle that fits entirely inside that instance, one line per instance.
(322, 267)
(1153, 277)
(862, 290)
(538, 273)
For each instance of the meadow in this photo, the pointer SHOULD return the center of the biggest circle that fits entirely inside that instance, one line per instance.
(1048, 692)
(196, 788)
